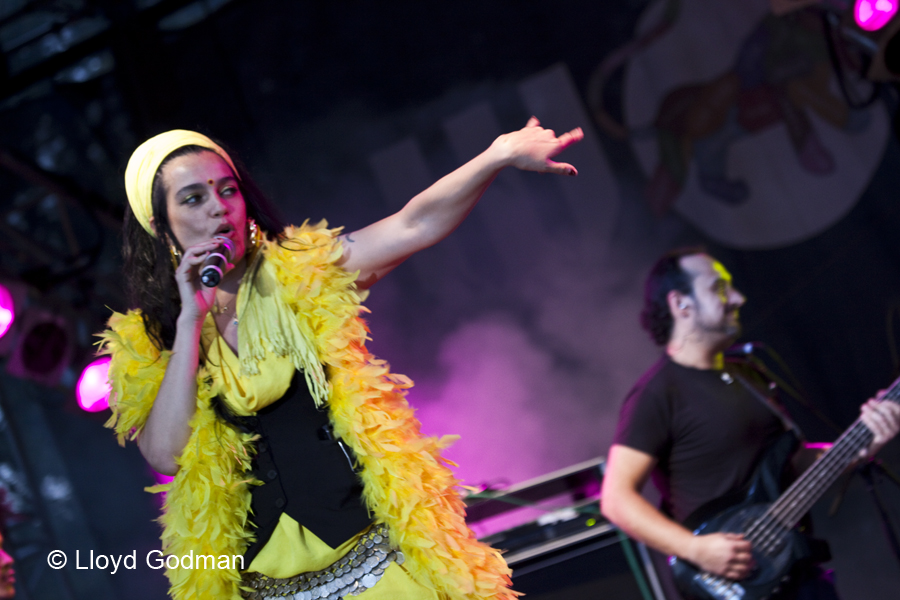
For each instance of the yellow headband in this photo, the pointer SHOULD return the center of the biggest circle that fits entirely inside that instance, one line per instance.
(145, 162)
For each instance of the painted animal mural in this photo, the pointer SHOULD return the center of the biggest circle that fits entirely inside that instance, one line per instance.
(781, 75)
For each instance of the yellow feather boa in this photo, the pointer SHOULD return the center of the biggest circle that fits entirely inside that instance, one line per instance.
(407, 484)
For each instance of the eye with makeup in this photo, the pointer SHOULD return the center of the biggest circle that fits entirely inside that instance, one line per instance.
(721, 289)
(192, 199)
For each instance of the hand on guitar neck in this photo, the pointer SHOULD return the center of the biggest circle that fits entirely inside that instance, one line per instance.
(883, 420)
(729, 555)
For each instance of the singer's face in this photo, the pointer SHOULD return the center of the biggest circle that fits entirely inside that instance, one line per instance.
(203, 200)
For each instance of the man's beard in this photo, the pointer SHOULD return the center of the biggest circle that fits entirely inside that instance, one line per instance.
(729, 326)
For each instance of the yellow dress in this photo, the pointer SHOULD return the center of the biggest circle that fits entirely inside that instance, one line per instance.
(292, 549)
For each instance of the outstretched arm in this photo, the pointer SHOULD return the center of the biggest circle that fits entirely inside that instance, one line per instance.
(627, 470)
(433, 214)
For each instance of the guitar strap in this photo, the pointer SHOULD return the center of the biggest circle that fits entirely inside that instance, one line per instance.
(786, 421)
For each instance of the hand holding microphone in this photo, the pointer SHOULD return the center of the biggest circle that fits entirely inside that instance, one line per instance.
(214, 264)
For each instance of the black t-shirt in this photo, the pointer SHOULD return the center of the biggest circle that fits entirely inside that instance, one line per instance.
(707, 431)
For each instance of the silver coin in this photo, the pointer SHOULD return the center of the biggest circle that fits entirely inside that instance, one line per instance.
(399, 558)
(369, 580)
(371, 562)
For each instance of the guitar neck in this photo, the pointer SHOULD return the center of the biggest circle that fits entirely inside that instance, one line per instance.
(809, 487)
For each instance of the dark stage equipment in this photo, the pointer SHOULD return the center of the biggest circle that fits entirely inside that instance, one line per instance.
(557, 543)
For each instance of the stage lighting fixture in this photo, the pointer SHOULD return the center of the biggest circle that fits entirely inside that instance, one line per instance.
(13, 300)
(878, 34)
(871, 25)
(92, 390)
(43, 348)
(872, 15)
(7, 310)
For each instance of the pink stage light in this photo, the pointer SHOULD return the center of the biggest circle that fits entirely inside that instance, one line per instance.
(93, 387)
(162, 479)
(7, 310)
(872, 15)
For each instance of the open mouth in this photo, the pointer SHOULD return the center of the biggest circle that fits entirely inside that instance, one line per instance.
(225, 230)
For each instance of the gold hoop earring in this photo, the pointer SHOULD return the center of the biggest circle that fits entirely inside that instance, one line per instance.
(175, 254)
(254, 233)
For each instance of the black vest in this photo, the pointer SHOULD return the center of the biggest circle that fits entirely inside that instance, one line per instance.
(306, 472)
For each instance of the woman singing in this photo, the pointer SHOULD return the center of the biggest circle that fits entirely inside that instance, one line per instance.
(292, 447)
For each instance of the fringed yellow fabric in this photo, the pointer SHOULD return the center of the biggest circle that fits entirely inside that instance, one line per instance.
(406, 482)
(269, 325)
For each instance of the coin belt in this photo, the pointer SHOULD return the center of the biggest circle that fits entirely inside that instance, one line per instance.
(357, 571)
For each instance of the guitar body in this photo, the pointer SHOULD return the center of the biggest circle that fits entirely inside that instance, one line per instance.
(737, 514)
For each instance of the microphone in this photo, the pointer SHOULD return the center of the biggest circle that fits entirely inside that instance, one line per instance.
(214, 264)
(744, 349)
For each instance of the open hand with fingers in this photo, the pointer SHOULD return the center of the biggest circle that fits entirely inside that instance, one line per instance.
(532, 148)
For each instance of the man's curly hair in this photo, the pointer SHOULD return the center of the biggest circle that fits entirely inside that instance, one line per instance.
(665, 276)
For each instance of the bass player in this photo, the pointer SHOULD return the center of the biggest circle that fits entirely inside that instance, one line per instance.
(695, 425)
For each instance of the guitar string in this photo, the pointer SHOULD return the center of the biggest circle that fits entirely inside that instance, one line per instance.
(841, 454)
(789, 509)
(796, 501)
(845, 455)
(762, 530)
(784, 513)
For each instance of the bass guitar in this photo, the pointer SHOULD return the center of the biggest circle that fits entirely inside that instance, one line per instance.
(770, 526)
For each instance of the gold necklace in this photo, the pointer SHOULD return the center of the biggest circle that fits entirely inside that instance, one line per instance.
(220, 310)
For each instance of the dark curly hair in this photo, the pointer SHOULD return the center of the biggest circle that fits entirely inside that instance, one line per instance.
(149, 273)
(665, 276)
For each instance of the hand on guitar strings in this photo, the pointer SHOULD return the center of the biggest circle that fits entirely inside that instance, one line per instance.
(728, 555)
